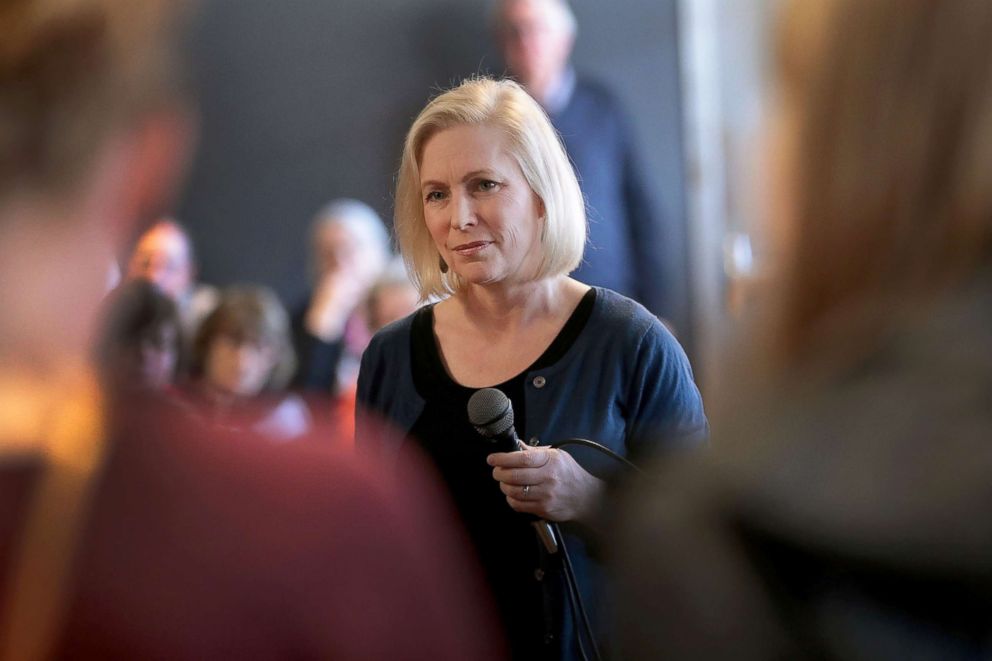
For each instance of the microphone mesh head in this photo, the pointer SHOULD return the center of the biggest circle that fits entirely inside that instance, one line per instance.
(490, 412)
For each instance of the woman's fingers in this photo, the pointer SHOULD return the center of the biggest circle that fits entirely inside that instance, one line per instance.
(519, 476)
(528, 458)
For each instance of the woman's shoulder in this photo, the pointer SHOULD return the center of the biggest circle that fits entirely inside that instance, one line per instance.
(397, 332)
(625, 317)
(390, 346)
(615, 304)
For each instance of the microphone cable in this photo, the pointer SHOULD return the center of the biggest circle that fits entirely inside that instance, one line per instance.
(490, 411)
(574, 595)
(585, 442)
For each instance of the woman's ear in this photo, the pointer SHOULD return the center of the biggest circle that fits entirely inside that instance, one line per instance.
(542, 217)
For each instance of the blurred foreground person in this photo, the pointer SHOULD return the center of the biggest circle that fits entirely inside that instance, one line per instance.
(844, 514)
(242, 360)
(138, 536)
(490, 219)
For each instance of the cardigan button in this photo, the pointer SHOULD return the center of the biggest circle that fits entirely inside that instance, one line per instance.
(539, 574)
(539, 381)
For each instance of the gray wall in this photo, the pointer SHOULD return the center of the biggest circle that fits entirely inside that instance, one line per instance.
(306, 100)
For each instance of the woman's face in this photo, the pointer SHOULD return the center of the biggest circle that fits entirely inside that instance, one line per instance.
(481, 212)
(239, 367)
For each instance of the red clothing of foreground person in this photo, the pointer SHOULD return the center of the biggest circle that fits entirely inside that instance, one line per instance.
(200, 546)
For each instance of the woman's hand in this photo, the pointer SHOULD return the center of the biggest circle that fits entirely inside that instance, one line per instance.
(546, 482)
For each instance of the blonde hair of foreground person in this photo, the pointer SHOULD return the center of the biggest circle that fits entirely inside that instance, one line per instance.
(534, 145)
(885, 163)
(851, 476)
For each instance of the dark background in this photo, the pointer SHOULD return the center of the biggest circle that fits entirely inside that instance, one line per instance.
(302, 101)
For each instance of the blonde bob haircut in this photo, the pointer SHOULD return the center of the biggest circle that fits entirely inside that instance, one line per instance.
(535, 146)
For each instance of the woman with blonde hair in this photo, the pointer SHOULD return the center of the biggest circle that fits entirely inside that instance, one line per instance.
(843, 514)
(490, 219)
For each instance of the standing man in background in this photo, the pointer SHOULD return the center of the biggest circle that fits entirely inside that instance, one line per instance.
(624, 248)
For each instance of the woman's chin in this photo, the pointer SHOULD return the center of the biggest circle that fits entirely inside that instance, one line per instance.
(478, 274)
(490, 277)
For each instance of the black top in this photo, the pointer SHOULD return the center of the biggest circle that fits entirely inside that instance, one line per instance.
(525, 581)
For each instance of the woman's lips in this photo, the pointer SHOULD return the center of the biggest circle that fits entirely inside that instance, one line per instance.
(467, 249)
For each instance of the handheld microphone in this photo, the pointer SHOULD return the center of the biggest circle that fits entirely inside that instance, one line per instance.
(491, 413)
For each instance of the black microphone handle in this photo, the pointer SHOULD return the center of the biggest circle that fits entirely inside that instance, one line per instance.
(495, 407)
(508, 441)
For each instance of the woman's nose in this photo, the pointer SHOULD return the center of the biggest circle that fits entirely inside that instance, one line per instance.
(462, 212)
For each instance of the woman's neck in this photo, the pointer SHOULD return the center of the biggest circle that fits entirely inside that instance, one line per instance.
(501, 307)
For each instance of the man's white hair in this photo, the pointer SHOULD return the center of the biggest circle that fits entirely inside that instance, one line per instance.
(559, 10)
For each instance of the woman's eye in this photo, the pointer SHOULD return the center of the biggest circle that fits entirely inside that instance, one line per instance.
(488, 185)
(434, 196)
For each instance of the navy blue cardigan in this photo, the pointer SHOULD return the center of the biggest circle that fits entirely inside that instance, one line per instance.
(625, 383)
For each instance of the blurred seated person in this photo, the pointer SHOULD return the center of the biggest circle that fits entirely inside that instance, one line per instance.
(843, 513)
(139, 344)
(242, 359)
(393, 297)
(349, 249)
(164, 255)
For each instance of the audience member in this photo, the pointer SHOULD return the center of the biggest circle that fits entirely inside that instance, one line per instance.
(625, 228)
(164, 255)
(242, 360)
(392, 297)
(137, 535)
(843, 514)
(349, 249)
(139, 345)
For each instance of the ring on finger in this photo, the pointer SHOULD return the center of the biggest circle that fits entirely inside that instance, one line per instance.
(526, 490)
